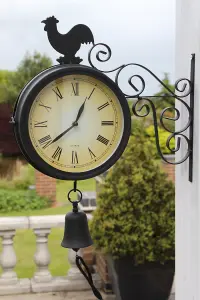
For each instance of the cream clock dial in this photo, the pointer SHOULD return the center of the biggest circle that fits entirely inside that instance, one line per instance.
(95, 135)
(72, 122)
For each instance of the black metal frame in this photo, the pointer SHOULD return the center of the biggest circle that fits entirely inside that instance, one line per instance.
(21, 116)
(187, 89)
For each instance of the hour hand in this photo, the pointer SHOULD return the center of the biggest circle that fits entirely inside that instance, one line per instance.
(81, 109)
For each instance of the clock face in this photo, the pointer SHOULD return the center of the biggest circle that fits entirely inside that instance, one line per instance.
(72, 122)
(67, 144)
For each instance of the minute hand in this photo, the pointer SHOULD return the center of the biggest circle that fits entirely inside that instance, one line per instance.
(63, 133)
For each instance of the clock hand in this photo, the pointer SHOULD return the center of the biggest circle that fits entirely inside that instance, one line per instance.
(63, 133)
(81, 109)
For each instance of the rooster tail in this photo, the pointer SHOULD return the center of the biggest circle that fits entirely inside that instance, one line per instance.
(83, 34)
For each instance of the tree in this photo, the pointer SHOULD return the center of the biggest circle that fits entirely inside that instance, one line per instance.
(11, 83)
(135, 215)
(161, 102)
(6, 89)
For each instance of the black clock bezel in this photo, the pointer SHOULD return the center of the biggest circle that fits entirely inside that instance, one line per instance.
(21, 115)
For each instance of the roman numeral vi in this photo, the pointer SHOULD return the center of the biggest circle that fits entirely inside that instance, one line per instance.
(74, 157)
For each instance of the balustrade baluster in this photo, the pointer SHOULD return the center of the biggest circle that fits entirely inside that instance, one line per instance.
(9, 283)
(74, 273)
(42, 255)
(8, 258)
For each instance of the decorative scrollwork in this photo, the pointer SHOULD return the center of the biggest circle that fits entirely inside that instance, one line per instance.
(149, 105)
(183, 86)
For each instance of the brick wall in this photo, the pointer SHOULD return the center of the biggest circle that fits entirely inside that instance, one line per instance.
(169, 168)
(102, 269)
(45, 186)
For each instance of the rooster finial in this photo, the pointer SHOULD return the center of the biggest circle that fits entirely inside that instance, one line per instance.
(67, 44)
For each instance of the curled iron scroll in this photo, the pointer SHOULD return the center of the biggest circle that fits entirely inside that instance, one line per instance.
(183, 86)
(149, 105)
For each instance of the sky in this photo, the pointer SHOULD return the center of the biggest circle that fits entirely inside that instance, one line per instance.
(137, 31)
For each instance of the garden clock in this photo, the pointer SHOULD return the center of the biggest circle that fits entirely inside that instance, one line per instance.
(72, 122)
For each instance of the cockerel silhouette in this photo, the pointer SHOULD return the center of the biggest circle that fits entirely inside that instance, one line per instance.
(69, 43)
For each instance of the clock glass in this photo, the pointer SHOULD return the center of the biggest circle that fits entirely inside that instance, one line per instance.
(76, 123)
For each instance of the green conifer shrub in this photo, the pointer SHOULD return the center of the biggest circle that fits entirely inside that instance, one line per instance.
(136, 208)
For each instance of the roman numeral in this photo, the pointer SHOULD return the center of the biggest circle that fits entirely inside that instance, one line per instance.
(40, 124)
(103, 106)
(91, 153)
(91, 93)
(103, 140)
(75, 88)
(47, 107)
(107, 123)
(58, 93)
(45, 141)
(74, 157)
(57, 153)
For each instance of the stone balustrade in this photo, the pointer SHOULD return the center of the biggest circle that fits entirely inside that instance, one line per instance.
(42, 280)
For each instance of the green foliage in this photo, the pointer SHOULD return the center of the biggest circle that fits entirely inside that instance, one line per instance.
(163, 136)
(11, 83)
(167, 100)
(17, 200)
(21, 181)
(140, 128)
(161, 101)
(6, 86)
(136, 210)
(26, 177)
(15, 195)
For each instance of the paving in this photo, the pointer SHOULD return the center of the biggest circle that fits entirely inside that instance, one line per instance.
(57, 296)
(62, 296)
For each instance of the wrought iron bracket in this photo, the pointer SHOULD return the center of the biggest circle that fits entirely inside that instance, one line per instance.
(79, 34)
(143, 105)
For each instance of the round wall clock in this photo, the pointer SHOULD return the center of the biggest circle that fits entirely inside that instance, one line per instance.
(72, 122)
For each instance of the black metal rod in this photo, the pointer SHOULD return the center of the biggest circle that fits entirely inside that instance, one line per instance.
(191, 128)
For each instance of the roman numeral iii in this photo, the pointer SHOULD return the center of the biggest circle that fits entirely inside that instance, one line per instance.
(74, 158)
(45, 141)
(103, 140)
(108, 123)
(75, 88)
(40, 124)
(58, 93)
(57, 153)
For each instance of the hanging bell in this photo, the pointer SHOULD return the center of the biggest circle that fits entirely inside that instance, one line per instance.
(76, 233)
(77, 236)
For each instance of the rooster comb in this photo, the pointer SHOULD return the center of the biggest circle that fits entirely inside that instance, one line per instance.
(52, 18)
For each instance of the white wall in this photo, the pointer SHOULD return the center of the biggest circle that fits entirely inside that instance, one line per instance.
(188, 194)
